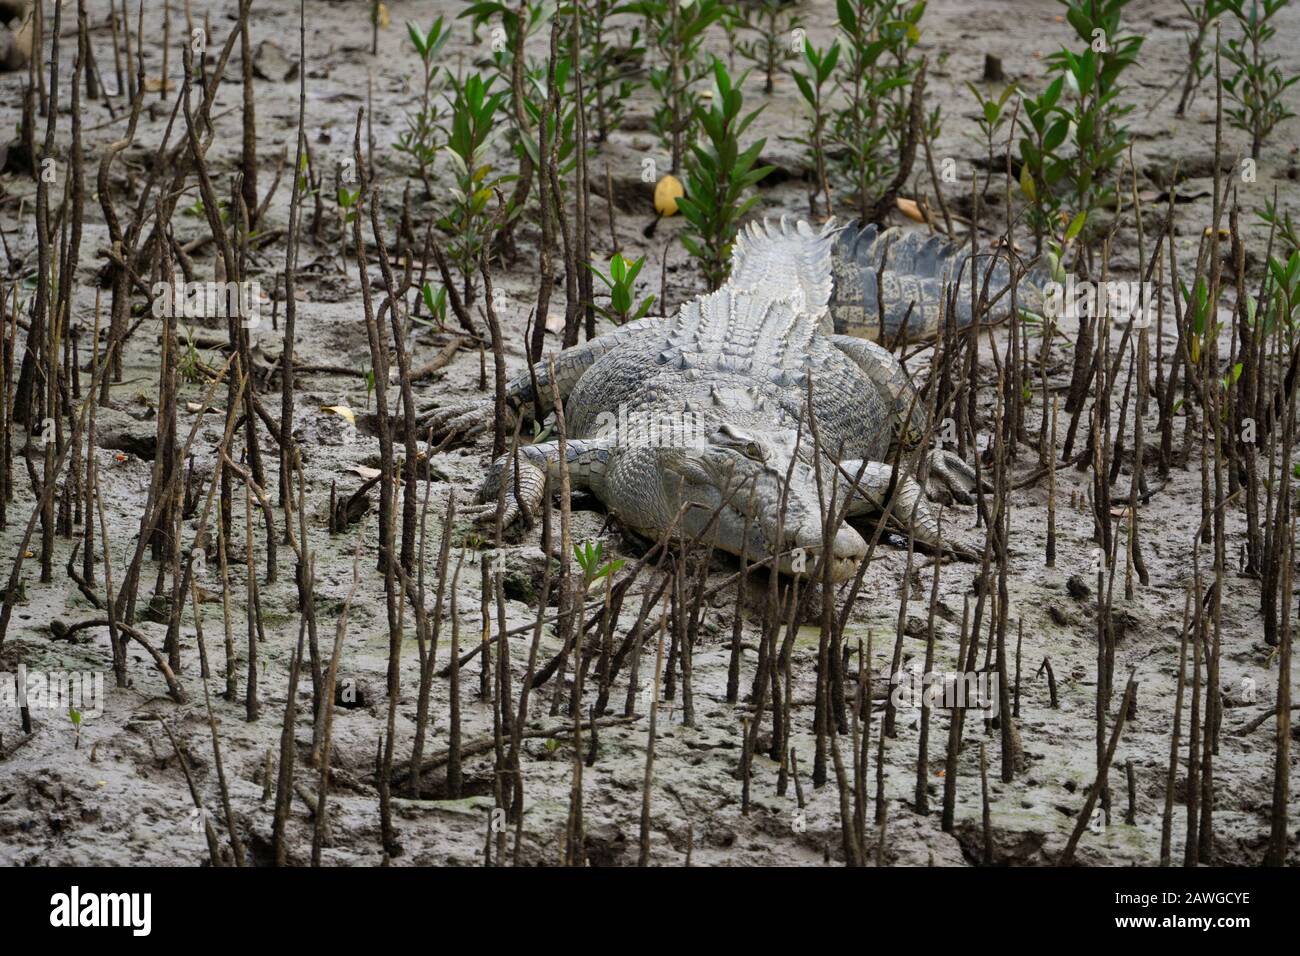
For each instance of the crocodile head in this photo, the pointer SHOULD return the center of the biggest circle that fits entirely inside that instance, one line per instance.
(743, 470)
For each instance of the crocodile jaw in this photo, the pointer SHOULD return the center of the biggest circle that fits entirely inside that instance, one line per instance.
(847, 551)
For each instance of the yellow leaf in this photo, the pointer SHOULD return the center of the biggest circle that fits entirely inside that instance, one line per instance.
(381, 16)
(910, 209)
(342, 411)
(666, 192)
(1027, 184)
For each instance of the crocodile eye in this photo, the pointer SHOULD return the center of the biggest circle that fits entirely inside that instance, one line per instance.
(754, 451)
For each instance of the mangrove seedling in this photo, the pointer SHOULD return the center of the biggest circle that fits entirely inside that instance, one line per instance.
(1202, 15)
(1258, 88)
(717, 176)
(677, 31)
(874, 84)
(812, 87)
(420, 139)
(591, 558)
(621, 282)
(474, 124)
(775, 41)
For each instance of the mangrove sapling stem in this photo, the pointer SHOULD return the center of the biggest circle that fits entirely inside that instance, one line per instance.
(256, 635)
(214, 848)
(455, 776)
(379, 364)
(643, 856)
(921, 795)
(955, 729)
(1278, 833)
(288, 753)
(232, 827)
(1099, 784)
(428, 656)
(47, 495)
(516, 737)
(291, 266)
(1130, 775)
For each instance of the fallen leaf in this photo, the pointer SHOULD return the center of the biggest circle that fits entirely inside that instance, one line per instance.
(554, 322)
(366, 473)
(342, 411)
(910, 209)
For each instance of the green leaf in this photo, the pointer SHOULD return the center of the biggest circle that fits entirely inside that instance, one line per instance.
(848, 19)
(1076, 224)
(1056, 134)
(805, 89)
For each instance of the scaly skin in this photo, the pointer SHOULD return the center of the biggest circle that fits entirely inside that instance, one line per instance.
(707, 410)
(911, 287)
(16, 19)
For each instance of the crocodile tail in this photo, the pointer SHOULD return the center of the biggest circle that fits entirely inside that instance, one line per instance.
(917, 268)
(785, 261)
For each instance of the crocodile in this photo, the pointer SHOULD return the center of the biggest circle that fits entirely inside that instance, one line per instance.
(678, 419)
(905, 301)
(16, 19)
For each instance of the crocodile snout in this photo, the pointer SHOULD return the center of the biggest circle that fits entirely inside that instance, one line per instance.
(847, 551)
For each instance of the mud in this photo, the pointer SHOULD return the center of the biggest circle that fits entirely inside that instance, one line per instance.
(115, 793)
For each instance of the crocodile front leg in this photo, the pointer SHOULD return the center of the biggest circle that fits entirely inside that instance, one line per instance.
(949, 476)
(867, 483)
(588, 459)
(913, 511)
(891, 382)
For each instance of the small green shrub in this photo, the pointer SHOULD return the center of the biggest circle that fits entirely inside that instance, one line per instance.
(420, 140)
(717, 176)
(772, 24)
(677, 31)
(1259, 87)
(621, 282)
(474, 124)
(869, 128)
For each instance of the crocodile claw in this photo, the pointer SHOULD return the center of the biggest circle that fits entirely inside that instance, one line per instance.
(529, 482)
(951, 478)
(461, 421)
(484, 515)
